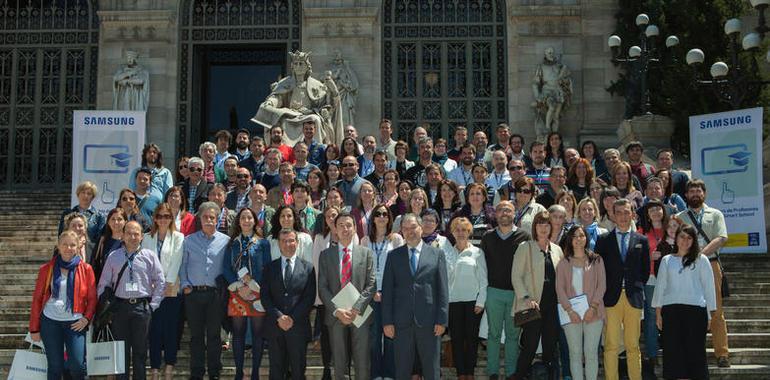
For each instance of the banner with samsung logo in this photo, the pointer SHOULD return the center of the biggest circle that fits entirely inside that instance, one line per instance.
(107, 146)
(726, 152)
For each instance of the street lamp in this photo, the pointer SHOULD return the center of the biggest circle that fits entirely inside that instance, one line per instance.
(733, 84)
(761, 6)
(639, 59)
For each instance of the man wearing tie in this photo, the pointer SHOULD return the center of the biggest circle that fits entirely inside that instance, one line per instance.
(339, 266)
(626, 256)
(288, 293)
(415, 303)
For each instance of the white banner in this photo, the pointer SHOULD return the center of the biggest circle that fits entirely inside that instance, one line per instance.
(726, 153)
(106, 147)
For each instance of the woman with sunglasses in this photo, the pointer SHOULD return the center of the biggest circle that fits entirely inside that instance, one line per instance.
(526, 207)
(381, 241)
(127, 201)
(184, 221)
(182, 170)
(476, 209)
(247, 254)
(166, 242)
(447, 202)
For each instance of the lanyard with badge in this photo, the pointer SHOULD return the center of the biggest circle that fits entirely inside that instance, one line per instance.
(131, 286)
(379, 248)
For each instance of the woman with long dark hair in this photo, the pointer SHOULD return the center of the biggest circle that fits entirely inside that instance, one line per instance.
(481, 215)
(447, 202)
(367, 199)
(184, 221)
(622, 179)
(389, 194)
(554, 150)
(287, 218)
(127, 201)
(182, 170)
(684, 302)
(590, 152)
(349, 147)
(582, 272)
(579, 178)
(404, 189)
(332, 172)
(317, 181)
(247, 255)
(111, 239)
(166, 241)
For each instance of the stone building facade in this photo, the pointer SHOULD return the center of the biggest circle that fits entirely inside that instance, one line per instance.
(444, 62)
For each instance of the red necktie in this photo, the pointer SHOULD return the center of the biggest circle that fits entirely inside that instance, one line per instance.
(346, 268)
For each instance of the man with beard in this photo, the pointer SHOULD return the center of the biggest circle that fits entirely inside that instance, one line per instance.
(276, 141)
(480, 140)
(380, 166)
(461, 137)
(351, 182)
(634, 151)
(416, 174)
(712, 235)
(238, 198)
(255, 162)
(499, 175)
(315, 149)
(242, 139)
(152, 158)
(366, 160)
(558, 177)
(516, 169)
(503, 133)
(281, 195)
(270, 177)
(538, 170)
(462, 175)
(516, 148)
(499, 246)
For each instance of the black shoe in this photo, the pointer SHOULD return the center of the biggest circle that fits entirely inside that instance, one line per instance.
(723, 362)
(648, 369)
(327, 374)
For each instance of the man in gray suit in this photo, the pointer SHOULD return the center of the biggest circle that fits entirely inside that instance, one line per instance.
(415, 301)
(337, 266)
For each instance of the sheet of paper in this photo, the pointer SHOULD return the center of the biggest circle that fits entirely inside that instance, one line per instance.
(346, 298)
(579, 304)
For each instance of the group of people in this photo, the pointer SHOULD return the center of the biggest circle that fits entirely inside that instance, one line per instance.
(393, 247)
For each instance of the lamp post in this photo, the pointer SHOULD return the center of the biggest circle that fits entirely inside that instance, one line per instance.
(639, 59)
(761, 6)
(733, 84)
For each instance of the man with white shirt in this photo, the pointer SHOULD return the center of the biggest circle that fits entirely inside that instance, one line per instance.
(415, 302)
(385, 143)
(340, 266)
(462, 175)
(499, 175)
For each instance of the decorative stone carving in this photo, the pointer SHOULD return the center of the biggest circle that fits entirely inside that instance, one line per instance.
(552, 87)
(299, 98)
(131, 86)
(347, 84)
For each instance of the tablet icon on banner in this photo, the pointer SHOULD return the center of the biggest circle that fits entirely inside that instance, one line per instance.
(106, 158)
(725, 159)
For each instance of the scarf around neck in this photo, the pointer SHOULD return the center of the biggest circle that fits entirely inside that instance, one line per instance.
(70, 267)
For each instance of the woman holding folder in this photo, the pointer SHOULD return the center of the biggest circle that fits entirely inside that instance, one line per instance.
(581, 273)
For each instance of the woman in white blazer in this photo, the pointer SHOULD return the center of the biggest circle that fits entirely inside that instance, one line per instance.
(534, 286)
(164, 240)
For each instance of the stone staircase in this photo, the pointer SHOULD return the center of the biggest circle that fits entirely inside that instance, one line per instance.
(28, 224)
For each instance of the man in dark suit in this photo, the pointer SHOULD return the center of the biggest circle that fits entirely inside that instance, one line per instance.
(626, 256)
(415, 301)
(338, 266)
(288, 293)
(196, 188)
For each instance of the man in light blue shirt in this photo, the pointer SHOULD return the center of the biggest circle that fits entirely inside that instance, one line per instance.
(202, 258)
(162, 179)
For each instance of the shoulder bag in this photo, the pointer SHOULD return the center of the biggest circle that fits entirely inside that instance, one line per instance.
(104, 309)
(520, 318)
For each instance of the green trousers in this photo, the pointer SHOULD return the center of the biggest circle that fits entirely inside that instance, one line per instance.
(499, 308)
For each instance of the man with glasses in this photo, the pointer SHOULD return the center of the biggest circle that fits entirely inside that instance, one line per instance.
(441, 157)
(161, 177)
(558, 184)
(351, 183)
(516, 169)
(516, 148)
(238, 198)
(196, 188)
(462, 175)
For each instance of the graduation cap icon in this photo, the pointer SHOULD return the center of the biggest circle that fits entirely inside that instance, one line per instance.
(740, 158)
(121, 160)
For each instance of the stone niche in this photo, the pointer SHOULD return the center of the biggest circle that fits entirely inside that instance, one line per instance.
(353, 28)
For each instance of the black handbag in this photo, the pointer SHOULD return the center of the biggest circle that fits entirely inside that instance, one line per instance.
(725, 286)
(520, 318)
(104, 309)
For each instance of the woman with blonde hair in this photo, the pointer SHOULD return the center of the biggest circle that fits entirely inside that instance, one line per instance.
(622, 178)
(86, 193)
(588, 217)
(166, 242)
(77, 223)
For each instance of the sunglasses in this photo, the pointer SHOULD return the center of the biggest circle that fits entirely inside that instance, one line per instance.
(524, 191)
(380, 214)
(348, 165)
(163, 216)
(196, 169)
(516, 168)
(242, 176)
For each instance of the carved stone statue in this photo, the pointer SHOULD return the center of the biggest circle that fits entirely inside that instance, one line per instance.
(300, 97)
(347, 83)
(131, 86)
(552, 86)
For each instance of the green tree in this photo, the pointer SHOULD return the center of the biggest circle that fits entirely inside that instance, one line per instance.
(697, 24)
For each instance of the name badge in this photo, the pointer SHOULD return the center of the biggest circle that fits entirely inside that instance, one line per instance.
(132, 287)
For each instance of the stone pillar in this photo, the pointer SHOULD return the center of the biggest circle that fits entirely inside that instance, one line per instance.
(578, 32)
(148, 27)
(354, 28)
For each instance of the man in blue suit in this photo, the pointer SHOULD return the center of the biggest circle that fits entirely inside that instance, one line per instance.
(626, 256)
(288, 293)
(415, 301)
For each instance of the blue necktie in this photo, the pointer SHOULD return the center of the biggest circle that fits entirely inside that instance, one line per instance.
(623, 246)
(413, 259)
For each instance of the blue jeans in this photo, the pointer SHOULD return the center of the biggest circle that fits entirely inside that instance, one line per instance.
(383, 359)
(163, 332)
(650, 327)
(56, 335)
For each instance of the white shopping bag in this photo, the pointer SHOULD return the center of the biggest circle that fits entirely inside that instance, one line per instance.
(28, 365)
(106, 357)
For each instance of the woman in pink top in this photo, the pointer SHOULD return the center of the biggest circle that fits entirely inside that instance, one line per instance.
(582, 272)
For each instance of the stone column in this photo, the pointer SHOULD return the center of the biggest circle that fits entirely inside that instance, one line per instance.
(578, 32)
(148, 27)
(354, 28)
